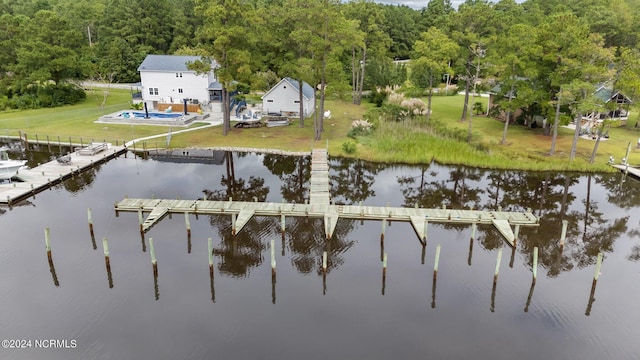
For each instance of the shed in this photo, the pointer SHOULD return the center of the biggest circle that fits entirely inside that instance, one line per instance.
(284, 98)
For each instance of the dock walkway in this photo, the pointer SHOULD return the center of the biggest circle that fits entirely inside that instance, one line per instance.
(319, 206)
(31, 181)
(628, 169)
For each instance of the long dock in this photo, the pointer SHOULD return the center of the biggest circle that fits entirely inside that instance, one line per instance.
(628, 170)
(29, 182)
(319, 206)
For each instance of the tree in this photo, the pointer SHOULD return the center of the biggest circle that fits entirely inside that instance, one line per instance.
(573, 60)
(48, 50)
(473, 28)
(227, 37)
(432, 54)
(515, 68)
(374, 44)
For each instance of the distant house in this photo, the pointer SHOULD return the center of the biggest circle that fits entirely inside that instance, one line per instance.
(284, 98)
(617, 106)
(165, 80)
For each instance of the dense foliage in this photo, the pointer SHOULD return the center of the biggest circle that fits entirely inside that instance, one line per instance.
(549, 52)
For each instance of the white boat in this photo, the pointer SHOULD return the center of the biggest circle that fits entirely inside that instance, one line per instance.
(9, 168)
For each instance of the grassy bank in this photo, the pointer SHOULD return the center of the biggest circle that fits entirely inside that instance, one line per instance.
(392, 142)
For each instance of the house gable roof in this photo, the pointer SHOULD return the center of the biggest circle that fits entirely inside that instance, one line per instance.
(169, 63)
(307, 90)
(607, 94)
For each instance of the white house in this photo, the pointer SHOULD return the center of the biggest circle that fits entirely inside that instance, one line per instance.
(284, 98)
(165, 79)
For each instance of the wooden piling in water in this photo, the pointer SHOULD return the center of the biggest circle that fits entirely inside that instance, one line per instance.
(596, 275)
(90, 219)
(187, 224)
(563, 234)
(140, 220)
(47, 243)
(154, 262)
(282, 223)
(437, 260)
(210, 255)
(107, 262)
(324, 262)
(384, 272)
(273, 256)
(233, 224)
(535, 264)
(498, 259)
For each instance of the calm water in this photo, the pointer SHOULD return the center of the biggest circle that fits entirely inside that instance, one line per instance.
(352, 314)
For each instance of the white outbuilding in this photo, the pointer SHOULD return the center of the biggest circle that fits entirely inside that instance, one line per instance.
(284, 98)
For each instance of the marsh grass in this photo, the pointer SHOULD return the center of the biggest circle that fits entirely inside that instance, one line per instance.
(415, 141)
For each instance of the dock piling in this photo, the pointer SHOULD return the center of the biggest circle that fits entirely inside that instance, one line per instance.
(107, 262)
(384, 272)
(93, 238)
(273, 256)
(187, 224)
(154, 262)
(535, 264)
(563, 234)
(210, 255)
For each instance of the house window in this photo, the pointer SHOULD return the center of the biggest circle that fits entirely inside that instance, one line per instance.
(269, 100)
(178, 74)
(179, 91)
(153, 91)
(296, 101)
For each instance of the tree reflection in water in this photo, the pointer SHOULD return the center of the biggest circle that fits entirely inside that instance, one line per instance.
(551, 195)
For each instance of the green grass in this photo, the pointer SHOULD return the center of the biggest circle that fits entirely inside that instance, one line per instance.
(392, 142)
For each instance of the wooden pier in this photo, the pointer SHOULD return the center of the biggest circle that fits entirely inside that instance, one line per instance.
(626, 169)
(319, 206)
(29, 182)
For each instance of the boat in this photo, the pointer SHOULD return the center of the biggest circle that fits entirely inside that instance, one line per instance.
(8, 167)
(272, 121)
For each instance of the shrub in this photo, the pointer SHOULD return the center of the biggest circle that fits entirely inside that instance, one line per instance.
(349, 147)
(360, 128)
(378, 97)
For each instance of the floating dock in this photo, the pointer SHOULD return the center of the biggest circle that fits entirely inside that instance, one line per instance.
(319, 206)
(29, 182)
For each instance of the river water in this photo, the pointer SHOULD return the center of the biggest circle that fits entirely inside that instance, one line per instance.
(351, 312)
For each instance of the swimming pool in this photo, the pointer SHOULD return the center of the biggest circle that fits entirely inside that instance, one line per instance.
(152, 115)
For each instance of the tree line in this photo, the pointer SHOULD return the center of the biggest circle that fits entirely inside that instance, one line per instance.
(550, 53)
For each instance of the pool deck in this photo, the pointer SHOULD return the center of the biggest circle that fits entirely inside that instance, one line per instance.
(180, 120)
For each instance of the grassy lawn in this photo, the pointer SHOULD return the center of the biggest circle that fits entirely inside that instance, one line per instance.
(392, 142)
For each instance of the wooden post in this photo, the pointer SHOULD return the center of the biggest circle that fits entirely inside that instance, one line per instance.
(210, 249)
(563, 234)
(437, 260)
(596, 275)
(152, 251)
(140, 220)
(535, 264)
(47, 244)
(273, 257)
(233, 224)
(472, 239)
(282, 224)
(516, 233)
(107, 262)
(324, 262)
(48, 144)
(499, 258)
(384, 227)
(188, 224)
(384, 272)
(93, 238)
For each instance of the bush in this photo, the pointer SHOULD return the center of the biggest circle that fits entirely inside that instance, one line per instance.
(360, 128)
(349, 147)
(378, 97)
